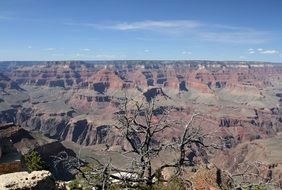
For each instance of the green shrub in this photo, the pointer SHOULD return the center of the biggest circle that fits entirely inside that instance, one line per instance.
(75, 185)
(175, 183)
(33, 161)
(255, 187)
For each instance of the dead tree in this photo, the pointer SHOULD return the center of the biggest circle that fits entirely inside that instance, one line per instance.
(142, 125)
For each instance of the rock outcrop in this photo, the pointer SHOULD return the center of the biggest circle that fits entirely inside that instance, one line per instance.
(10, 157)
(7, 83)
(211, 178)
(37, 180)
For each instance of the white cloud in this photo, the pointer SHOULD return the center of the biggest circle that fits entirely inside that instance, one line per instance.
(186, 52)
(270, 52)
(153, 25)
(251, 51)
(51, 49)
(189, 29)
(262, 51)
(105, 56)
(146, 51)
(29, 47)
(86, 49)
(242, 57)
(239, 36)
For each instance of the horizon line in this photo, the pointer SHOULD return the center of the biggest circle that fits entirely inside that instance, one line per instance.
(108, 60)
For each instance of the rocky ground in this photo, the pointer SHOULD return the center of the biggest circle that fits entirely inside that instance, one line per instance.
(28, 181)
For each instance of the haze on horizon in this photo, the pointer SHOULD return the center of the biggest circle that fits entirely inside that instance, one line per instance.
(125, 29)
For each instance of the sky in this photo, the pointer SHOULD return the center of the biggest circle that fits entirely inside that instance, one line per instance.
(141, 29)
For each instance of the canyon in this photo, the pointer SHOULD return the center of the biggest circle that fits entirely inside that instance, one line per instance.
(78, 101)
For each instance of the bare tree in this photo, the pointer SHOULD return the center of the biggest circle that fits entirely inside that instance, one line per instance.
(143, 124)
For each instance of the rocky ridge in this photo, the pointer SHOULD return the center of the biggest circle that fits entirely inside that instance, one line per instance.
(77, 101)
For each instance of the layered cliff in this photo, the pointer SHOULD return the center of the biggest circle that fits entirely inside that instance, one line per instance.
(77, 101)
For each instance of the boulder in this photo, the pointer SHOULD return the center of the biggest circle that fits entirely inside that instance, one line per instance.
(37, 180)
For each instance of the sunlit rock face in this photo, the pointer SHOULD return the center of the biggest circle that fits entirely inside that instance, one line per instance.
(78, 101)
(37, 180)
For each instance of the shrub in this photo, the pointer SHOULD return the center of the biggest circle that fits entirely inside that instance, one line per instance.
(255, 187)
(33, 161)
(75, 185)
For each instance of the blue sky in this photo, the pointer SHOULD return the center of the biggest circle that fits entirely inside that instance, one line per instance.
(141, 29)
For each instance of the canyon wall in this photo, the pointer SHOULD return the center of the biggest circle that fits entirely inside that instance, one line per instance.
(78, 101)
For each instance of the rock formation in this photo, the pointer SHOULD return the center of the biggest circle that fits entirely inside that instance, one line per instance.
(37, 180)
(77, 101)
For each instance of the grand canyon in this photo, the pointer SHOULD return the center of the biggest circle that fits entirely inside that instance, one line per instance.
(75, 103)
(140, 95)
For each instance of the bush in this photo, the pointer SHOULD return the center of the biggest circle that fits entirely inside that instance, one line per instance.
(75, 185)
(33, 161)
(255, 187)
(175, 183)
